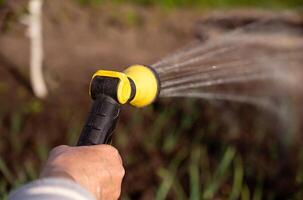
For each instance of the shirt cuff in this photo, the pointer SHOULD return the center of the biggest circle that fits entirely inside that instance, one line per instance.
(51, 189)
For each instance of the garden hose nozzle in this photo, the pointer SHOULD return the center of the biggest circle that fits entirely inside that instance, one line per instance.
(138, 85)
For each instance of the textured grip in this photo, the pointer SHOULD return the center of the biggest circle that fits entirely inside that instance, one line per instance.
(101, 122)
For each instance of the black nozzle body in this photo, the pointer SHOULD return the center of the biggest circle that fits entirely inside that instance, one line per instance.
(104, 113)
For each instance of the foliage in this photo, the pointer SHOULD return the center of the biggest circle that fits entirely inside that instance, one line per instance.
(182, 149)
(207, 3)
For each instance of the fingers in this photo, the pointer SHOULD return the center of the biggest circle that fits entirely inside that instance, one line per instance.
(98, 168)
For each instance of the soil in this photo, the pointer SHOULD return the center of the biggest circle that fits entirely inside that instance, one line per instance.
(81, 40)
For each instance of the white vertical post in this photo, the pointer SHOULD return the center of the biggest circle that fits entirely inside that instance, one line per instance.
(36, 49)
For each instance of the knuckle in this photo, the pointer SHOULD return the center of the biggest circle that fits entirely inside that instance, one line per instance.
(114, 151)
(117, 194)
(122, 172)
(107, 148)
(111, 153)
(119, 173)
(119, 158)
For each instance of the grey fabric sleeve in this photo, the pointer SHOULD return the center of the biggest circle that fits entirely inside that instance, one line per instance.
(51, 189)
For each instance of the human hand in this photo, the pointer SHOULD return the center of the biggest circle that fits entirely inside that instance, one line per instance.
(98, 168)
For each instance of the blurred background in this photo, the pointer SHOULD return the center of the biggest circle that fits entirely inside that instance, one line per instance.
(177, 148)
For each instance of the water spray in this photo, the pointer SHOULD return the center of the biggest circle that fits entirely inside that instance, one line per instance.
(238, 66)
(138, 85)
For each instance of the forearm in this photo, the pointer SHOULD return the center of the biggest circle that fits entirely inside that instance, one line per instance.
(51, 189)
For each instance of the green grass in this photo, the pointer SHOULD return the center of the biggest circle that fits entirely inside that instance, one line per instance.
(192, 160)
(295, 4)
(2, 2)
(219, 175)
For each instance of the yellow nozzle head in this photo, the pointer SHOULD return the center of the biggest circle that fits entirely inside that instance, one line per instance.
(139, 85)
(147, 84)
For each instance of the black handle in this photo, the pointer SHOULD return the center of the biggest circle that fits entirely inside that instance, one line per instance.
(101, 122)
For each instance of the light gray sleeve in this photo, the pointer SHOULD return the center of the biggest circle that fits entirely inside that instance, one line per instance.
(51, 189)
